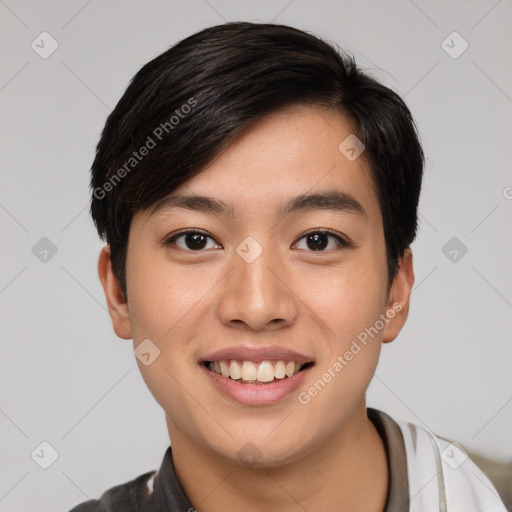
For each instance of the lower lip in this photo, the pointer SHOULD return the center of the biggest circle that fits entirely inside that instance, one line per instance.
(257, 394)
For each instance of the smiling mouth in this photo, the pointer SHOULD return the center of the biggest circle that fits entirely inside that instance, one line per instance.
(248, 372)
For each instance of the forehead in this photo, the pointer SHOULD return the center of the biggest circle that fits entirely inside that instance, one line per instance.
(280, 161)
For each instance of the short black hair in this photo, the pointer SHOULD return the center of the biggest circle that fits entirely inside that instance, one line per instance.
(185, 106)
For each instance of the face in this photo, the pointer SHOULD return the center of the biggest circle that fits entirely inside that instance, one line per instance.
(267, 304)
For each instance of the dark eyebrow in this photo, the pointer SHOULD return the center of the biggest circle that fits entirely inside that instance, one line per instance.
(199, 203)
(333, 200)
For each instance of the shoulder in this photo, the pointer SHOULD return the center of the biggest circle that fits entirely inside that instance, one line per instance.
(133, 496)
(440, 472)
(89, 506)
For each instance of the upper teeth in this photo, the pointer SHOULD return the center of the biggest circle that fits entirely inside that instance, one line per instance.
(265, 371)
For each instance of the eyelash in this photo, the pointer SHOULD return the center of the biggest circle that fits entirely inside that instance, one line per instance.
(343, 242)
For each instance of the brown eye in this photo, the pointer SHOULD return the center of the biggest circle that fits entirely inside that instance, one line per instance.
(320, 240)
(194, 241)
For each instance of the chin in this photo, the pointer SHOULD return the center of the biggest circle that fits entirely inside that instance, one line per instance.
(262, 451)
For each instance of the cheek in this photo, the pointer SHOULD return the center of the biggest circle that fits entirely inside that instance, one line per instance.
(347, 303)
(161, 311)
(167, 307)
(351, 313)
(162, 298)
(347, 299)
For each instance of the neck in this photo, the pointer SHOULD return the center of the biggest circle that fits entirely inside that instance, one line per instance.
(347, 472)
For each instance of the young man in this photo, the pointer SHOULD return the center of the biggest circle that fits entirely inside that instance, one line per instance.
(258, 194)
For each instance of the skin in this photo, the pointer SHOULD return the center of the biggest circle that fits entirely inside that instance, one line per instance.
(322, 455)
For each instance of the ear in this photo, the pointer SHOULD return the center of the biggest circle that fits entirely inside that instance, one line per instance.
(397, 308)
(117, 305)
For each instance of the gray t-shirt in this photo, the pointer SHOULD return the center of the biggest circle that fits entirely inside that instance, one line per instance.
(160, 491)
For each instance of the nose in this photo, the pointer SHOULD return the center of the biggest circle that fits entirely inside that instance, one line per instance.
(256, 295)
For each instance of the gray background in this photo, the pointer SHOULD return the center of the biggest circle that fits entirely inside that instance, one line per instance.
(65, 377)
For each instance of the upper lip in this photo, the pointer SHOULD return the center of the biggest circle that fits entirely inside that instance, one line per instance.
(257, 354)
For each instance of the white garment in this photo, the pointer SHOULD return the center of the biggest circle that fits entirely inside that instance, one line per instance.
(442, 478)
